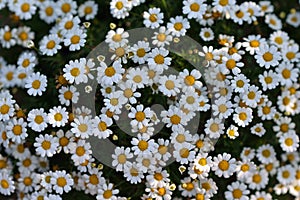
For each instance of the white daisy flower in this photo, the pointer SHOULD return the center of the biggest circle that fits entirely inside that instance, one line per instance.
(269, 80)
(273, 21)
(143, 144)
(65, 141)
(65, 7)
(88, 10)
(232, 64)
(158, 59)
(28, 181)
(25, 35)
(50, 44)
(290, 53)
(245, 168)
(25, 9)
(140, 116)
(6, 108)
(287, 74)
(82, 127)
(252, 96)
(286, 174)
(232, 132)
(146, 162)
(115, 101)
(47, 11)
(243, 116)
(162, 152)
(162, 37)
(75, 39)
(258, 129)
(240, 83)
(61, 181)
(254, 43)
(120, 8)
(107, 192)
(121, 158)
(7, 186)
(224, 165)
(37, 119)
(279, 38)
(137, 77)
(266, 111)
(27, 60)
(133, 174)
(68, 24)
(16, 130)
(8, 37)
(289, 142)
(174, 117)
(223, 6)
(254, 11)
(206, 34)
(266, 7)
(237, 190)
(108, 75)
(120, 36)
(153, 18)
(81, 151)
(239, 14)
(214, 128)
(36, 84)
(268, 56)
(194, 8)
(129, 92)
(58, 116)
(184, 153)
(258, 180)
(293, 19)
(46, 145)
(68, 95)
(140, 52)
(178, 26)
(100, 126)
(169, 85)
(266, 153)
(75, 72)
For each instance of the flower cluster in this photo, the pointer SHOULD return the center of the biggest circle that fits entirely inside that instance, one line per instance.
(226, 128)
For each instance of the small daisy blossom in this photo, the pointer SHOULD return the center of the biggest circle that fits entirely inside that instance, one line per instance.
(108, 75)
(224, 165)
(37, 119)
(50, 44)
(16, 130)
(75, 39)
(62, 182)
(153, 18)
(7, 186)
(46, 145)
(74, 71)
(36, 84)
(267, 56)
(58, 116)
(121, 158)
(237, 190)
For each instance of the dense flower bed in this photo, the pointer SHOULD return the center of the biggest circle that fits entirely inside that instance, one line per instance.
(201, 102)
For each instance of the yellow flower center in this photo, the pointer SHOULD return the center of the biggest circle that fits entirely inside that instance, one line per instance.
(122, 159)
(245, 167)
(230, 64)
(285, 174)
(88, 10)
(184, 152)
(94, 179)
(102, 126)
(158, 176)
(170, 85)
(117, 37)
(23, 36)
(68, 95)
(25, 7)
(58, 117)
(114, 101)
(4, 109)
(134, 172)
(69, 25)
(107, 194)
(237, 193)
(137, 79)
(140, 52)
(63, 141)
(268, 56)
(162, 149)
(223, 2)
(4, 184)
(75, 72)
(279, 40)
(290, 55)
(61, 181)
(266, 153)
(46, 145)
(27, 181)
(214, 127)
(119, 5)
(66, 7)
(209, 56)
(286, 73)
(159, 59)
(36, 84)
(143, 145)
(50, 44)
(49, 11)
(284, 128)
(189, 80)
(206, 186)
(80, 151)
(153, 17)
(38, 119)
(17, 129)
(7, 36)
(128, 92)
(223, 165)
(202, 161)
(289, 142)
(239, 14)
(140, 116)
(254, 43)
(161, 37)
(82, 128)
(178, 26)
(175, 119)
(75, 39)
(256, 178)
(194, 7)
(251, 95)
